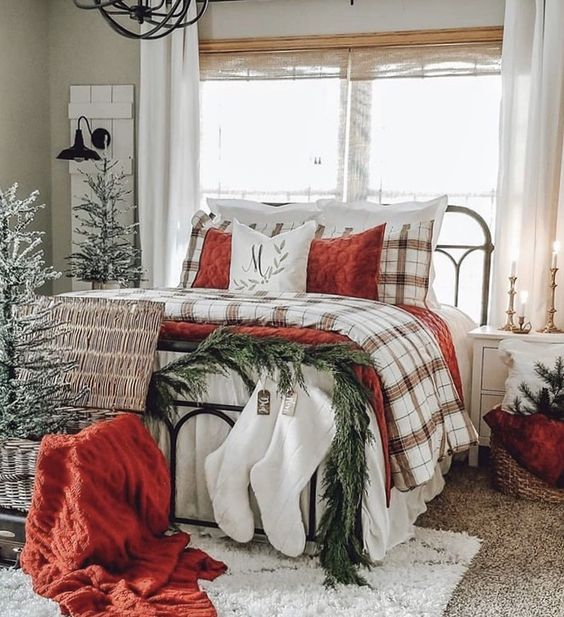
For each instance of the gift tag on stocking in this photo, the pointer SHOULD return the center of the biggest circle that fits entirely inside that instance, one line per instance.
(263, 402)
(289, 403)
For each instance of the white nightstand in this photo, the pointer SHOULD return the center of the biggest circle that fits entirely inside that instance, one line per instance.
(489, 374)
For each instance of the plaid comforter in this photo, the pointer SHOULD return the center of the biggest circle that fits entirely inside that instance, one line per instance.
(424, 413)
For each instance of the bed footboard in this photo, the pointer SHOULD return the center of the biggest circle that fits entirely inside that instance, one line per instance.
(219, 411)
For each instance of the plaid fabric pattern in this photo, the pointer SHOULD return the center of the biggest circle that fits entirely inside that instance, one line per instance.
(405, 263)
(201, 222)
(424, 413)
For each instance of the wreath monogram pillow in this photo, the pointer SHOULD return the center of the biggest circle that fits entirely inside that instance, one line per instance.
(262, 263)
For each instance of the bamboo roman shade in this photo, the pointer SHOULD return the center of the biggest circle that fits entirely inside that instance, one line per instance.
(323, 64)
(425, 61)
(357, 64)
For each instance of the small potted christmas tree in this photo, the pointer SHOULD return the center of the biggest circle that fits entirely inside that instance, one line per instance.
(33, 391)
(105, 255)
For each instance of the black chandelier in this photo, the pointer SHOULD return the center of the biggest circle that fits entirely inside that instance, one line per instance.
(157, 18)
(161, 17)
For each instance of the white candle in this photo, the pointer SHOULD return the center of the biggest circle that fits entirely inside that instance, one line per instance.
(555, 250)
(523, 296)
(513, 268)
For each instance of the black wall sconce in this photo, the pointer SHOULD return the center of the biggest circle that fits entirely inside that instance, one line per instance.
(78, 152)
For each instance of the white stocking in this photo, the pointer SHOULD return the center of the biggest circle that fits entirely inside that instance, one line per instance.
(299, 444)
(228, 468)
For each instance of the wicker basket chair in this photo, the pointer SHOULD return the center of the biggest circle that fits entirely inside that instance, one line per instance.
(113, 344)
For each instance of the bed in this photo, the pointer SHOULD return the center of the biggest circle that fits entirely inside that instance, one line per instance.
(387, 514)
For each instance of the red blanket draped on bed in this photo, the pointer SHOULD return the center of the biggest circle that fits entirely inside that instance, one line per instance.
(189, 331)
(94, 533)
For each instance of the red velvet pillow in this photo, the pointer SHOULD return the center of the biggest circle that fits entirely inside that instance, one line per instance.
(215, 261)
(346, 266)
(536, 442)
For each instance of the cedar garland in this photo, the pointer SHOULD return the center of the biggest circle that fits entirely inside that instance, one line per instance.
(345, 478)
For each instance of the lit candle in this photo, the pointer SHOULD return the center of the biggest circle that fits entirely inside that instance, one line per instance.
(523, 296)
(513, 268)
(555, 249)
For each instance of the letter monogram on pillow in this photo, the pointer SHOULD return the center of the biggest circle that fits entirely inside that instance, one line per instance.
(260, 263)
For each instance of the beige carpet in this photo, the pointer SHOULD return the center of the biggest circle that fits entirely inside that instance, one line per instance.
(519, 571)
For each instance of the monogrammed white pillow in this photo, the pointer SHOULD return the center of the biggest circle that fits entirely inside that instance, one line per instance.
(261, 263)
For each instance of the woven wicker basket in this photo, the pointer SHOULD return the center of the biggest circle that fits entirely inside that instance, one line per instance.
(19, 456)
(512, 479)
(113, 344)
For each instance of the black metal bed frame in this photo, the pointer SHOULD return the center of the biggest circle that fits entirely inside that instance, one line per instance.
(215, 410)
(14, 521)
(218, 410)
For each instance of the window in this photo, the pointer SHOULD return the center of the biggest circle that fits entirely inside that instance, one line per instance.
(384, 124)
(272, 125)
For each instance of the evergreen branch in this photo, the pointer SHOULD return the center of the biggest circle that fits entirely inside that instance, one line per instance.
(546, 400)
(346, 477)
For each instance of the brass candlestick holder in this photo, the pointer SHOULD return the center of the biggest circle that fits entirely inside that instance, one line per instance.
(523, 327)
(549, 327)
(510, 312)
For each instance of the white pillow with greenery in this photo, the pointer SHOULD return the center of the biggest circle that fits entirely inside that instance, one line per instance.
(262, 263)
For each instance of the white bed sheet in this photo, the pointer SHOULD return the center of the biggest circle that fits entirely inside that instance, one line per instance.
(459, 324)
(383, 527)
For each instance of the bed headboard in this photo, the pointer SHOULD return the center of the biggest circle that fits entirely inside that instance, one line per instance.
(457, 258)
(485, 246)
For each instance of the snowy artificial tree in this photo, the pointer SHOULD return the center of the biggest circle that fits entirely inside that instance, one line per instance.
(106, 252)
(33, 392)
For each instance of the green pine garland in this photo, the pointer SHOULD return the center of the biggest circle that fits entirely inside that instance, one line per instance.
(345, 477)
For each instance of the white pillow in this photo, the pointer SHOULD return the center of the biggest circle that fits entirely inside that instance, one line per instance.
(520, 358)
(261, 263)
(249, 212)
(361, 215)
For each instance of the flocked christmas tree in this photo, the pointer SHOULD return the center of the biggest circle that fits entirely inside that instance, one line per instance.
(33, 393)
(105, 253)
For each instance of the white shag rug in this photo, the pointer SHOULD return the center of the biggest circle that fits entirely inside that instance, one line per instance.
(416, 579)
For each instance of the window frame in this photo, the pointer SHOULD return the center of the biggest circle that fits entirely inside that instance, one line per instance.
(402, 38)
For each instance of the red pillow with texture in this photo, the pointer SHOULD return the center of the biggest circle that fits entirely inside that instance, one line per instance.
(346, 266)
(536, 442)
(215, 261)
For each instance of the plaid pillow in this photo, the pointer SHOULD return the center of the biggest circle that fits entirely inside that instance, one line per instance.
(405, 264)
(201, 222)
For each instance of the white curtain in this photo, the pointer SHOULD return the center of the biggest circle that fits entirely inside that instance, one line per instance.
(168, 165)
(530, 213)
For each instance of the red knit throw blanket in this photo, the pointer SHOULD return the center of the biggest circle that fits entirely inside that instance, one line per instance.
(94, 533)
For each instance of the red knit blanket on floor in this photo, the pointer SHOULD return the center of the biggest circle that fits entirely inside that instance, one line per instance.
(94, 533)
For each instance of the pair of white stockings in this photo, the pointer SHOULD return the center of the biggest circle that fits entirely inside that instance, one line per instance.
(277, 455)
